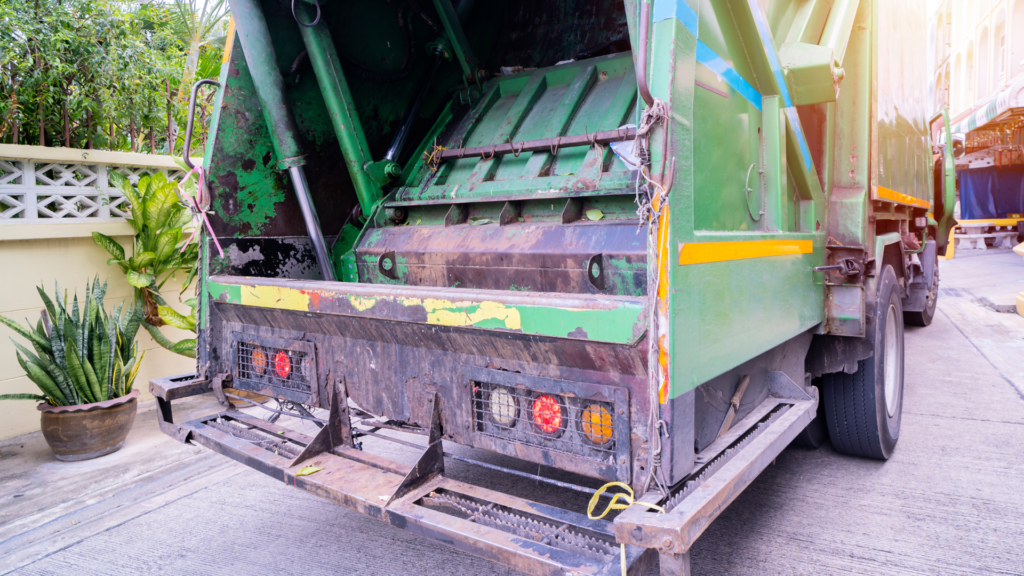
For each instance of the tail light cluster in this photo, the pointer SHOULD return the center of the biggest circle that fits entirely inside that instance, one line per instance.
(276, 367)
(552, 421)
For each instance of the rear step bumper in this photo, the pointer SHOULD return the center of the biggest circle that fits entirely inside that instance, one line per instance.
(525, 535)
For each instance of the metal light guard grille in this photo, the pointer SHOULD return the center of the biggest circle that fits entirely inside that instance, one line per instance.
(266, 374)
(276, 367)
(507, 413)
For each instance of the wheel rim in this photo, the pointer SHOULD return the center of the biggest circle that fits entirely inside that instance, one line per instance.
(891, 362)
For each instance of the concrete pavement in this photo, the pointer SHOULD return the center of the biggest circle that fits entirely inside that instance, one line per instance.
(950, 501)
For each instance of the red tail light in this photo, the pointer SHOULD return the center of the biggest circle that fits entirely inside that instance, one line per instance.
(282, 364)
(547, 414)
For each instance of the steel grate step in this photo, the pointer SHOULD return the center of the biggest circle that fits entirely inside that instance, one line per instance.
(564, 536)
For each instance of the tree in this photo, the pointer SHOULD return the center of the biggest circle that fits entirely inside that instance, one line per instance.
(197, 27)
(104, 73)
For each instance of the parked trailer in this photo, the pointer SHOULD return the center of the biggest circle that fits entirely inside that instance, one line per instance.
(650, 243)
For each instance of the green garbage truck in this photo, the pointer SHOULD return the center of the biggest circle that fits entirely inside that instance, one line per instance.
(639, 243)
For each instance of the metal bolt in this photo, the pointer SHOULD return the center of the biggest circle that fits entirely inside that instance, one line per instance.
(622, 460)
(622, 411)
(392, 170)
(667, 543)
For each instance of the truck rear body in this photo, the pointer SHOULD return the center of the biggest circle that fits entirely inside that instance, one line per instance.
(566, 262)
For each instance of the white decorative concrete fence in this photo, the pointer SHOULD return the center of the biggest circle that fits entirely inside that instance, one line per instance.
(39, 184)
(51, 201)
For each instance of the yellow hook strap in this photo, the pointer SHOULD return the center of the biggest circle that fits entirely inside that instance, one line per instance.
(627, 498)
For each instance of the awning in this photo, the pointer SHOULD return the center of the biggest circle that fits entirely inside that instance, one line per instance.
(1009, 97)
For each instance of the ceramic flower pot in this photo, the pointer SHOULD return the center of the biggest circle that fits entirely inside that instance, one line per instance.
(88, 431)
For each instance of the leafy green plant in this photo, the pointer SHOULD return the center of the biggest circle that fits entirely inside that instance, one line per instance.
(82, 354)
(172, 317)
(159, 251)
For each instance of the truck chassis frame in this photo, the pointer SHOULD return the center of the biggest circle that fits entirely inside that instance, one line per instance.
(529, 536)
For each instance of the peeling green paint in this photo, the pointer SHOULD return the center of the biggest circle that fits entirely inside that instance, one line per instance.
(614, 325)
(247, 142)
(620, 322)
(225, 292)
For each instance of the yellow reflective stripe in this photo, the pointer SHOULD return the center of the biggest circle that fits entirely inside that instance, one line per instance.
(704, 252)
(992, 221)
(229, 41)
(900, 198)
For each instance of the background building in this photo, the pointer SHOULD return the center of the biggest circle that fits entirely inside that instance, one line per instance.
(976, 55)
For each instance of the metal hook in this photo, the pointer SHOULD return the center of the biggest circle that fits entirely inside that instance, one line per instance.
(513, 147)
(554, 146)
(191, 117)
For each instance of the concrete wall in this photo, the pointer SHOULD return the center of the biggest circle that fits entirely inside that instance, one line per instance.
(41, 250)
(69, 261)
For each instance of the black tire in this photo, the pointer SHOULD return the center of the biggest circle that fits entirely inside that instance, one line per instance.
(860, 420)
(925, 317)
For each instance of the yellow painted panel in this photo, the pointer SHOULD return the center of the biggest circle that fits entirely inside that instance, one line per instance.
(275, 297)
(705, 252)
(361, 304)
(950, 246)
(900, 198)
(447, 313)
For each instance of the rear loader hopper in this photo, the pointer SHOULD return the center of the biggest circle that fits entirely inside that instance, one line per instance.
(650, 243)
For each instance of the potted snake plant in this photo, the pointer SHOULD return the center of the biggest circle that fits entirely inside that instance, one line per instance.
(84, 361)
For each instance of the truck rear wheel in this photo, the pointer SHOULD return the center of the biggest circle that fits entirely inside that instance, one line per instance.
(863, 410)
(924, 317)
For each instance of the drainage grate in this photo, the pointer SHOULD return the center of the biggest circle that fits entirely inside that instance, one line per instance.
(555, 422)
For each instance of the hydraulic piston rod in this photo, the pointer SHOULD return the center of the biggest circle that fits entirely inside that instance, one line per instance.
(251, 27)
(340, 104)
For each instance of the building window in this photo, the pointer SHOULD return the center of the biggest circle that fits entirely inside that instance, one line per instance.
(969, 76)
(960, 16)
(957, 96)
(945, 86)
(983, 64)
(999, 73)
(1017, 39)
